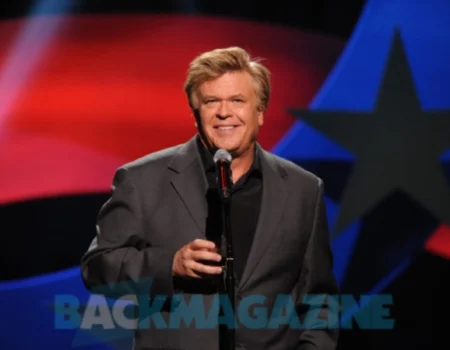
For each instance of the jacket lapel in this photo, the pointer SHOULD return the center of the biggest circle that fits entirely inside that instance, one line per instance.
(189, 181)
(272, 206)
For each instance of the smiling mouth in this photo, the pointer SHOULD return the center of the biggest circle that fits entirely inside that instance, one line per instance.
(226, 127)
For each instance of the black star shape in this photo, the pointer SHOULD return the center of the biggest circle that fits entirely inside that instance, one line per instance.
(397, 146)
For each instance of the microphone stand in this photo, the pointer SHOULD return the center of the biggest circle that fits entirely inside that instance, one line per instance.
(230, 281)
(225, 196)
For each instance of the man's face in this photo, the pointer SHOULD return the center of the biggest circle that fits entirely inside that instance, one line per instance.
(228, 108)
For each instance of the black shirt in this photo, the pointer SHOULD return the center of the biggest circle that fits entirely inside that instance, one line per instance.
(244, 211)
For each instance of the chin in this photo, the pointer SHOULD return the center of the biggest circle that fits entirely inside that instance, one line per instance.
(228, 147)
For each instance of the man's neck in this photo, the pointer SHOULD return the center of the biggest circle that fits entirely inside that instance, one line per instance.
(240, 165)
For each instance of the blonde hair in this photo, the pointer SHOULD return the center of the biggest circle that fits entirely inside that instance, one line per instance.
(212, 64)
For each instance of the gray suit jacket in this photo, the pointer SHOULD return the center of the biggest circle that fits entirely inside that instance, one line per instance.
(158, 205)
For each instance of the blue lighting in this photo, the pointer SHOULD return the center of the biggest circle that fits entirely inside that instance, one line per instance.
(28, 50)
(354, 82)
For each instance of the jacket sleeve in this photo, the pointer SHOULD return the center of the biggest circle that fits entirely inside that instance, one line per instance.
(319, 287)
(120, 261)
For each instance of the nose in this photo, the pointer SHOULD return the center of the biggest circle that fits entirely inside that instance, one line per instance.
(224, 110)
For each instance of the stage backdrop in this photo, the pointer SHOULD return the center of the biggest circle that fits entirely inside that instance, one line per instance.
(92, 94)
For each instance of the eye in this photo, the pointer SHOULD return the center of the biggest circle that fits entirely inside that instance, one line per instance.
(238, 100)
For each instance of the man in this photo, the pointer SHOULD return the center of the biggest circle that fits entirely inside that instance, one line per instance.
(163, 220)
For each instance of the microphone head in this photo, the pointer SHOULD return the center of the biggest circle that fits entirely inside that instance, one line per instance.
(222, 155)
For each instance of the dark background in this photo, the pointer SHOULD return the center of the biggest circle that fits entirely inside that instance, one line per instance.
(328, 17)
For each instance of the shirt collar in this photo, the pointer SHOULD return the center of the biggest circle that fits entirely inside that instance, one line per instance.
(208, 159)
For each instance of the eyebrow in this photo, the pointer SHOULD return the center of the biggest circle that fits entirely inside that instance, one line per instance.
(233, 96)
(238, 96)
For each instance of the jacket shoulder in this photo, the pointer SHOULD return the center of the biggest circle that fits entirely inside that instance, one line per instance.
(156, 159)
(295, 171)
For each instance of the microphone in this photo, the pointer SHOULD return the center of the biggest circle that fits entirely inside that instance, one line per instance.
(223, 161)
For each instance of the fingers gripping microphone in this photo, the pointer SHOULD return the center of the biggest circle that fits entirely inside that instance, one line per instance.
(223, 161)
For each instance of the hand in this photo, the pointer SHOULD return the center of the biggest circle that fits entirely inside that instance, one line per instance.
(186, 262)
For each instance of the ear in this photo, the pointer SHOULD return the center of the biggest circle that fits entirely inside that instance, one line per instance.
(195, 119)
(260, 118)
(196, 115)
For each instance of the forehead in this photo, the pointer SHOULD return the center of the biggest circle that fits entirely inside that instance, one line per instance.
(230, 83)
